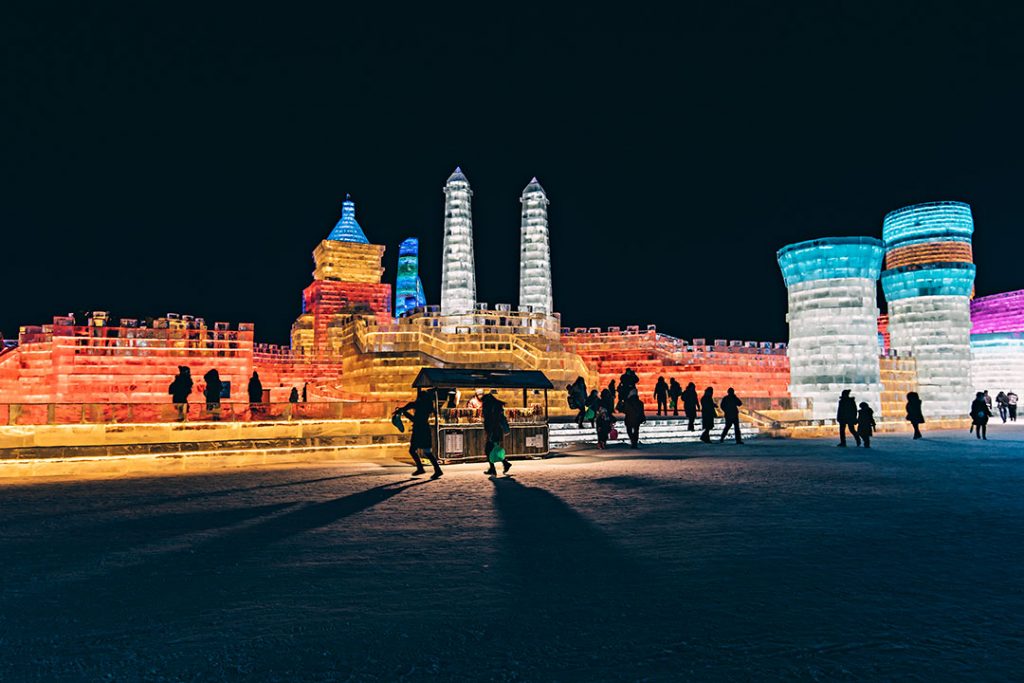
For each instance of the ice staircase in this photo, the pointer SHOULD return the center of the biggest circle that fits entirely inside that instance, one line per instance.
(564, 435)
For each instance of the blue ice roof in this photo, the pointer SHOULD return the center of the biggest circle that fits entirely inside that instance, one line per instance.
(347, 228)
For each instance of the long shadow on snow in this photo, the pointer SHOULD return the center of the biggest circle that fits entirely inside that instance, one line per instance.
(569, 576)
(204, 577)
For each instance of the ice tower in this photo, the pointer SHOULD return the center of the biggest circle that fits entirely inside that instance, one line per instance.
(928, 282)
(534, 251)
(833, 335)
(346, 280)
(458, 273)
(408, 287)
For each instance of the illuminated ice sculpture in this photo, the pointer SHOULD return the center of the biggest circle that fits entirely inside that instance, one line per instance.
(458, 272)
(833, 312)
(998, 362)
(928, 282)
(408, 286)
(347, 229)
(534, 251)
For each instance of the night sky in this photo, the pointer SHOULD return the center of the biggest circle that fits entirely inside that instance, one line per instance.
(189, 158)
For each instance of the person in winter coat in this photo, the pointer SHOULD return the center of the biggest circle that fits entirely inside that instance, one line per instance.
(731, 410)
(293, 397)
(627, 383)
(708, 412)
(255, 389)
(980, 413)
(865, 424)
(578, 399)
(674, 392)
(633, 409)
(661, 395)
(915, 415)
(420, 444)
(495, 427)
(592, 404)
(1001, 406)
(604, 425)
(608, 400)
(180, 389)
(615, 398)
(846, 416)
(1011, 405)
(690, 403)
(212, 392)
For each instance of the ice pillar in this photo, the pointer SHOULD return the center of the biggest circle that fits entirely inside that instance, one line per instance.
(928, 282)
(458, 273)
(534, 251)
(408, 287)
(833, 333)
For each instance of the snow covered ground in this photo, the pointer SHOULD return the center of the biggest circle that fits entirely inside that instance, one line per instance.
(778, 560)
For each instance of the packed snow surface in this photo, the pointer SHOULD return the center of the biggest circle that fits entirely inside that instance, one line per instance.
(777, 560)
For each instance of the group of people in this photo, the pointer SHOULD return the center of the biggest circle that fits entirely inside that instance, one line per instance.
(600, 409)
(981, 411)
(418, 412)
(182, 385)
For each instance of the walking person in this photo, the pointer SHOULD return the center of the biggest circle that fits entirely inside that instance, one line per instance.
(495, 427)
(293, 397)
(255, 391)
(1011, 405)
(661, 395)
(420, 445)
(633, 409)
(915, 415)
(980, 413)
(604, 425)
(1002, 405)
(305, 390)
(592, 404)
(179, 390)
(608, 400)
(674, 392)
(212, 392)
(708, 412)
(615, 397)
(731, 410)
(578, 399)
(846, 416)
(690, 404)
(865, 424)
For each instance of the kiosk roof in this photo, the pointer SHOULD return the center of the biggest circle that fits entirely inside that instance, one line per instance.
(451, 378)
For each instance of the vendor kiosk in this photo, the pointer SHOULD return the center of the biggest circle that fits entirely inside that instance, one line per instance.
(458, 428)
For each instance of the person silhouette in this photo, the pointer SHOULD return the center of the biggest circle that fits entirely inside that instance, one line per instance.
(212, 392)
(661, 395)
(691, 402)
(865, 424)
(422, 407)
(180, 389)
(731, 410)
(634, 416)
(846, 416)
(708, 412)
(495, 427)
(915, 415)
(980, 413)
(255, 388)
(674, 392)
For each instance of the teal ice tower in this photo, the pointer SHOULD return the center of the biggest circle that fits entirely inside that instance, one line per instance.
(408, 287)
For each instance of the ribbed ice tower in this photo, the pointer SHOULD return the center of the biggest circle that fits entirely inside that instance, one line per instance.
(535, 251)
(458, 272)
(347, 228)
(408, 286)
(833, 333)
(928, 282)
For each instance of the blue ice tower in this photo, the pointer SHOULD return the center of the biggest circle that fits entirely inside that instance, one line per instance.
(347, 228)
(408, 287)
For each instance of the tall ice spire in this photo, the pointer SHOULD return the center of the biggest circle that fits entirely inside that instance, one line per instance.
(458, 273)
(408, 286)
(535, 250)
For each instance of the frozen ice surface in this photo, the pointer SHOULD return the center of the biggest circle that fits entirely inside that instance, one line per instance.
(778, 560)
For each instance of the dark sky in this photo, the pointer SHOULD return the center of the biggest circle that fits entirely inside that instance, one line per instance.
(189, 158)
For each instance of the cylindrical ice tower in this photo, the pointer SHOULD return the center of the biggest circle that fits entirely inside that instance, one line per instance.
(928, 282)
(833, 320)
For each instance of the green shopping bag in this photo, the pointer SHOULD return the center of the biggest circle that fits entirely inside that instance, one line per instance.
(589, 415)
(497, 454)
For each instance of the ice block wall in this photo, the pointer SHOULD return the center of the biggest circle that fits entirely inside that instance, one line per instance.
(833, 333)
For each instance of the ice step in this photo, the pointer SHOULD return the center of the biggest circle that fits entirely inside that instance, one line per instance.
(566, 434)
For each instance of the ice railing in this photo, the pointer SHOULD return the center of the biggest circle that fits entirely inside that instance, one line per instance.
(632, 334)
(147, 413)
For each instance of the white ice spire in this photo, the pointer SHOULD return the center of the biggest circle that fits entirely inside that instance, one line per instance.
(458, 273)
(535, 250)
